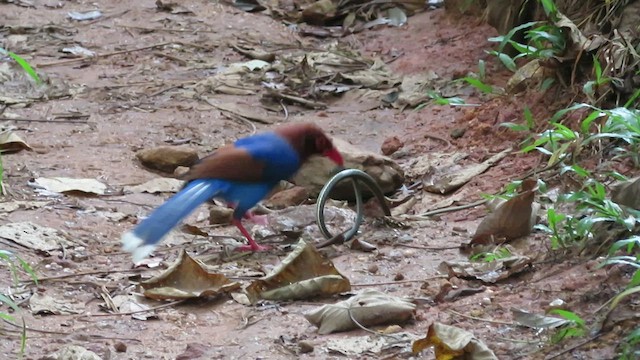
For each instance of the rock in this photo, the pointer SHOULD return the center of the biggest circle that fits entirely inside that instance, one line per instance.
(167, 158)
(317, 171)
(305, 347)
(180, 170)
(74, 352)
(120, 347)
(194, 351)
(289, 197)
(220, 215)
(391, 145)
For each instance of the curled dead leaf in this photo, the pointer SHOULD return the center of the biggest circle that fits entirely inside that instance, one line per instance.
(489, 272)
(451, 342)
(11, 143)
(511, 219)
(367, 308)
(71, 186)
(187, 278)
(302, 274)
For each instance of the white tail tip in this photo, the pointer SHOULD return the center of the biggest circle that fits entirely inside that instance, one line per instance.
(135, 245)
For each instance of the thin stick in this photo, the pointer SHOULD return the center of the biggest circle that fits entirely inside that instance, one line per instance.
(426, 215)
(120, 52)
(45, 120)
(481, 319)
(95, 272)
(136, 311)
(574, 347)
(367, 329)
(402, 281)
(428, 247)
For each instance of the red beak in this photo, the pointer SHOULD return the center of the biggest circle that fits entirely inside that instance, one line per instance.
(334, 155)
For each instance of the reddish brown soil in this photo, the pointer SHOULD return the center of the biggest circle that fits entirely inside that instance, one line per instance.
(128, 112)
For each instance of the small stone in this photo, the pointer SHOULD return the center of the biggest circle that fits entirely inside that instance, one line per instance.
(398, 277)
(289, 197)
(167, 158)
(457, 133)
(392, 329)
(220, 215)
(180, 170)
(391, 145)
(305, 347)
(485, 301)
(120, 347)
(373, 268)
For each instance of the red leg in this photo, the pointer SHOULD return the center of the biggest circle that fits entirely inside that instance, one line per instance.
(256, 219)
(253, 246)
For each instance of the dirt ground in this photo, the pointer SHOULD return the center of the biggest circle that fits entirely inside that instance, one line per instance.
(132, 101)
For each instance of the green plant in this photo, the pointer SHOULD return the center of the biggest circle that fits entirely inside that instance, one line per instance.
(23, 63)
(497, 254)
(576, 326)
(9, 260)
(630, 346)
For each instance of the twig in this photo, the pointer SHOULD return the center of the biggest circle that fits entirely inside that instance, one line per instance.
(162, 306)
(480, 319)
(574, 347)
(284, 109)
(402, 281)
(171, 57)
(428, 247)
(426, 215)
(435, 137)
(367, 329)
(95, 272)
(167, 29)
(297, 99)
(44, 120)
(120, 52)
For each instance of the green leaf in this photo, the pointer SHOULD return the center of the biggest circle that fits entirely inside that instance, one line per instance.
(508, 62)
(549, 7)
(546, 84)
(9, 302)
(571, 316)
(515, 127)
(24, 64)
(476, 83)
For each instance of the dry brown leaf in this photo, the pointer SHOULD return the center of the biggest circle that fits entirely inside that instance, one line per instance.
(452, 182)
(156, 185)
(510, 220)
(187, 278)
(451, 342)
(34, 236)
(367, 308)
(72, 186)
(489, 272)
(302, 274)
(11, 143)
(627, 193)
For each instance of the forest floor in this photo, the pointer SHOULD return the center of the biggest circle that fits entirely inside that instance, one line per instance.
(137, 95)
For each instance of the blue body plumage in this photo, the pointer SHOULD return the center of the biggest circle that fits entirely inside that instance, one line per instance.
(242, 174)
(281, 162)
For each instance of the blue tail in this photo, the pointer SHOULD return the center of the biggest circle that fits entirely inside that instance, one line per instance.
(143, 239)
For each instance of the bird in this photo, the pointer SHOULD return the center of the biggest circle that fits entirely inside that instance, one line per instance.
(241, 174)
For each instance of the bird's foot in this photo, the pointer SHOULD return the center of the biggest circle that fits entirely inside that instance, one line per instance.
(253, 248)
(257, 219)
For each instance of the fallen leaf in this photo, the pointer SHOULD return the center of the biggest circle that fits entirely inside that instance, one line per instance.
(73, 352)
(246, 111)
(358, 346)
(511, 219)
(11, 206)
(536, 321)
(11, 143)
(128, 303)
(156, 185)
(489, 272)
(70, 186)
(302, 274)
(367, 308)
(627, 193)
(453, 182)
(42, 304)
(451, 342)
(187, 278)
(34, 236)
